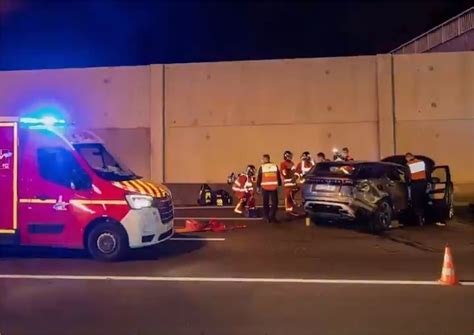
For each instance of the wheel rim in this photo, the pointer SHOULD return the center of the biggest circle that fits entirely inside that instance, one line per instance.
(106, 243)
(384, 216)
(451, 211)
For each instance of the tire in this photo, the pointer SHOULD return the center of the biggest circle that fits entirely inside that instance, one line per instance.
(107, 242)
(315, 220)
(382, 218)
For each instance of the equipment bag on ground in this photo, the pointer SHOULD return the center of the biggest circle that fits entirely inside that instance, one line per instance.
(205, 196)
(222, 198)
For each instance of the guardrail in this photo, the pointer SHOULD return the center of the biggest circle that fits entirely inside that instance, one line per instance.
(446, 31)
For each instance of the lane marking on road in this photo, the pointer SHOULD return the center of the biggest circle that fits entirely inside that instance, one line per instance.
(218, 219)
(210, 207)
(230, 280)
(197, 239)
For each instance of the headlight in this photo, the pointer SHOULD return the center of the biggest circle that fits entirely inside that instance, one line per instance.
(167, 190)
(137, 201)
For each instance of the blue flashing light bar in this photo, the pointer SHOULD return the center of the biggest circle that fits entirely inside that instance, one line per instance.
(48, 121)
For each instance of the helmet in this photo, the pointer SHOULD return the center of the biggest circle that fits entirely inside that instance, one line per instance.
(306, 156)
(251, 170)
(288, 155)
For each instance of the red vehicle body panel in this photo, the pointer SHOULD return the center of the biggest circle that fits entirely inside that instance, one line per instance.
(42, 212)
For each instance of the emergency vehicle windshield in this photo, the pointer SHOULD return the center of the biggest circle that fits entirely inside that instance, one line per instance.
(103, 163)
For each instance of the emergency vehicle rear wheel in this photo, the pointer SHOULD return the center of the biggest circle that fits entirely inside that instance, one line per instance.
(107, 242)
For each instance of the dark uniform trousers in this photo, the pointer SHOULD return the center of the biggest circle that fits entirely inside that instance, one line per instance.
(270, 204)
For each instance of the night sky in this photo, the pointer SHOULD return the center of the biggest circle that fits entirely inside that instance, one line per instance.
(54, 34)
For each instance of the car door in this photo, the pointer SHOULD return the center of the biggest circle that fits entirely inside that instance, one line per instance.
(55, 179)
(8, 180)
(397, 188)
(440, 193)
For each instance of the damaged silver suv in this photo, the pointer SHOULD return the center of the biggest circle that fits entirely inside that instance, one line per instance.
(374, 193)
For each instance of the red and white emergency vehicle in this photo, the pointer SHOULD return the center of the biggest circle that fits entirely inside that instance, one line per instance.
(60, 187)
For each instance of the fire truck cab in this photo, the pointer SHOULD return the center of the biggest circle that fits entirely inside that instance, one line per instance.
(60, 187)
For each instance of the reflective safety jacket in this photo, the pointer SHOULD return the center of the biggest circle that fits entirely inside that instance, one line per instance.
(417, 169)
(268, 177)
(243, 184)
(303, 167)
(288, 173)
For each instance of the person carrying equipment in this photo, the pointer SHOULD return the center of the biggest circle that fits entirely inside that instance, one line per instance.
(243, 190)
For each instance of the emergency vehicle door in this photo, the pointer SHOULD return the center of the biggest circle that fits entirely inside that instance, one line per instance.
(56, 179)
(440, 193)
(8, 177)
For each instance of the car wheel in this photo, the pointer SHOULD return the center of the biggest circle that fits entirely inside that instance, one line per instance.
(107, 242)
(451, 211)
(382, 218)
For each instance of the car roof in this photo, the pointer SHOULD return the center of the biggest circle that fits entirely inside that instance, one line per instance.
(400, 159)
(356, 163)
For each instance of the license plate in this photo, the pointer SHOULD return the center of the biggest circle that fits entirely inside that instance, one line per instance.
(325, 187)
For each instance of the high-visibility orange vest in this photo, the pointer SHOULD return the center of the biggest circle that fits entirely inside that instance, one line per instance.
(417, 169)
(269, 176)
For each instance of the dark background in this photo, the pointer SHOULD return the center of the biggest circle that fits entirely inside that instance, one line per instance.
(54, 34)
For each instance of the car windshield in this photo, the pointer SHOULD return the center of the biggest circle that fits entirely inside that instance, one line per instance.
(333, 170)
(103, 163)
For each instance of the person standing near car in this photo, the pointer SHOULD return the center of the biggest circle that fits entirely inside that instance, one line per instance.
(321, 157)
(304, 165)
(268, 181)
(418, 186)
(345, 155)
(289, 176)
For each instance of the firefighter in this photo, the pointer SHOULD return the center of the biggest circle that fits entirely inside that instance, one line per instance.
(243, 190)
(345, 155)
(288, 173)
(268, 181)
(418, 186)
(304, 166)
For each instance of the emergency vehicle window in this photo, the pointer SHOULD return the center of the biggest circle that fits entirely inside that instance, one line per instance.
(59, 166)
(103, 163)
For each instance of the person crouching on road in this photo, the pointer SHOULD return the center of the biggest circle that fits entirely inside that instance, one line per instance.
(418, 186)
(304, 166)
(288, 173)
(268, 181)
(243, 190)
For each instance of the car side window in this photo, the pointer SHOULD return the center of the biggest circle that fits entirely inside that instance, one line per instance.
(59, 166)
(372, 171)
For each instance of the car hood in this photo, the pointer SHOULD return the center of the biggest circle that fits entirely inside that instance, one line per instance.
(144, 187)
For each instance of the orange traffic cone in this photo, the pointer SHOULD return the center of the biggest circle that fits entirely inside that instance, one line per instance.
(448, 276)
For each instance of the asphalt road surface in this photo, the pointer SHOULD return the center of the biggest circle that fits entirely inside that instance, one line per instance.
(262, 279)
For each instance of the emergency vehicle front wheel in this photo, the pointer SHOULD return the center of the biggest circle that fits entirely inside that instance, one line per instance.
(107, 242)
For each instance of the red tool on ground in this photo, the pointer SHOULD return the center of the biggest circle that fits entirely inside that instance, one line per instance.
(194, 226)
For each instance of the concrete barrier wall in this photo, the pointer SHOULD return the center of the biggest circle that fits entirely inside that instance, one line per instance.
(115, 102)
(435, 109)
(222, 116)
(198, 122)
